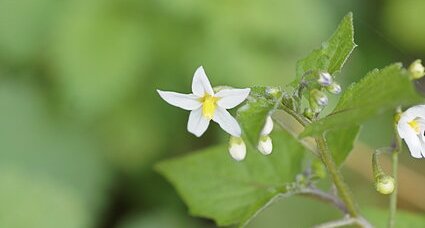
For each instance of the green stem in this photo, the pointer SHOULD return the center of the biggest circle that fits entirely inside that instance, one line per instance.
(393, 197)
(329, 162)
(337, 178)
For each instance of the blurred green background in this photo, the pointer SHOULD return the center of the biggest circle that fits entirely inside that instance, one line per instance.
(81, 124)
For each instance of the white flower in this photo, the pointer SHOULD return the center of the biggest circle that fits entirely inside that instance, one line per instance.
(205, 105)
(411, 127)
(325, 79)
(237, 148)
(265, 145)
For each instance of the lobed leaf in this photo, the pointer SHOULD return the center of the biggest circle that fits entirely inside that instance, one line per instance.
(215, 186)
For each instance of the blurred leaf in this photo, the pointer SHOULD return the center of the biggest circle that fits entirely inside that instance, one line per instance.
(45, 147)
(98, 52)
(333, 53)
(160, 218)
(340, 142)
(31, 201)
(24, 27)
(379, 218)
(261, 103)
(215, 186)
(377, 92)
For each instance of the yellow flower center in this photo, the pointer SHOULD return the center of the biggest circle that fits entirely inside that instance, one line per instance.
(209, 104)
(415, 126)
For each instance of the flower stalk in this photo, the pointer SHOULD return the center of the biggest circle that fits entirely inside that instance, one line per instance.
(394, 158)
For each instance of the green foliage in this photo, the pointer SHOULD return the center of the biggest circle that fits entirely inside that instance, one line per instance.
(341, 141)
(215, 186)
(51, 174)
(262, 102)
(333, 54)
(377, 92)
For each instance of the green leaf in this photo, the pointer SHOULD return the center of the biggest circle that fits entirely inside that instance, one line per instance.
(378, 92)
(404, 219)
(261, 102)
(341, 141)
(333, 53)
(217, 187)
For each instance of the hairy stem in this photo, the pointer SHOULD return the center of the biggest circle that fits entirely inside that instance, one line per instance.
(342, 187)
(393, 197)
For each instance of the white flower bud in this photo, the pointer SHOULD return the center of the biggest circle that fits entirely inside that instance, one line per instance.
(325, 79)
(237, 148)
(319, 97)
(265, 145)
(416, 69)
(385, 184)
(268, 126)
(334, 88)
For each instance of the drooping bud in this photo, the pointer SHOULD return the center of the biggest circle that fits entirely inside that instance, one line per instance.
(325, 79)
(318, 97)
(385, 184)
(416, 69)
(268, 126)
(265, 145)
(334, 88)
(237, 148)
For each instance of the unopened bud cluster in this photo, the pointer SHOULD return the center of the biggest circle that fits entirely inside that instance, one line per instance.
(317, 95)
(416, 69)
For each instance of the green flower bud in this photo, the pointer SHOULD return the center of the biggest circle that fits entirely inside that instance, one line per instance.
(384, 184)
(334, 88)
(317, 100)
(416, 69)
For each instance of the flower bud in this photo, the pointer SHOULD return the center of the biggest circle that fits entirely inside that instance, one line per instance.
(385, 184)
(237, 148)
(416, 69)
(268, 126)
(265, 145)
(334, 88)
(309, 113)
(319, 169)
(318, 97)
(325, 79)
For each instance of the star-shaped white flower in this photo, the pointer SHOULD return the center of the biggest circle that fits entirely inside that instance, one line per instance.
(411, 128)
(205, 105)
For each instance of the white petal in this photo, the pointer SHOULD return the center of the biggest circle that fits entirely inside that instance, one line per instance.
(227, 122)
(230, 98)
(413, 112)
(200, 84)
(268, 126)
(414, 144)
(197, 123)
(184, 101)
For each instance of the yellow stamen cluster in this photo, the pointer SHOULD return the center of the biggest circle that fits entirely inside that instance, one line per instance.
(415, 126)
(209, 104)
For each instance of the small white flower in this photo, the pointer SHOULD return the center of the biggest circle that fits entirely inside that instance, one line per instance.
(205, 105)
(237, 148)
(268, 126)
(265, 145)
(325, 79)
(411, 128)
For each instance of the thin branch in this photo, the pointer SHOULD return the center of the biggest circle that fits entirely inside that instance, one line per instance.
(325, 197)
